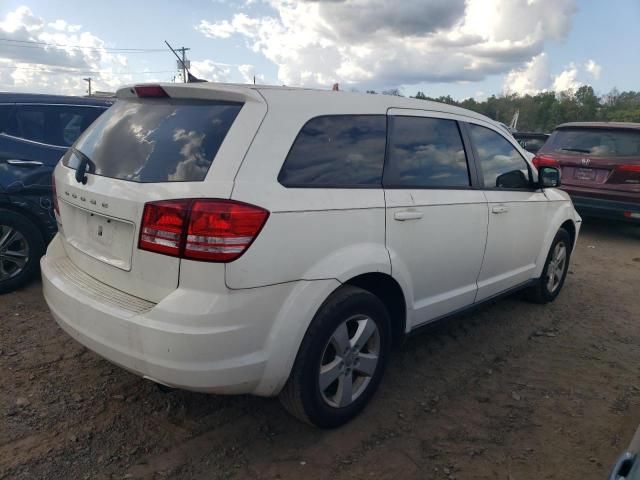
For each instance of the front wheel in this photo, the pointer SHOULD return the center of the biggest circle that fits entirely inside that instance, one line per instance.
(341, 360)
(555, 270)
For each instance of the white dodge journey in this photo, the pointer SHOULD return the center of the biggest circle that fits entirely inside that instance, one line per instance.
(277, 241)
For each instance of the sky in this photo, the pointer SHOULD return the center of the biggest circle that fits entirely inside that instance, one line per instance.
(462, 48)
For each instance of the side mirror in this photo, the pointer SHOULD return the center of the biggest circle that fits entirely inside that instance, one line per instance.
(548, 177)
(513, 179)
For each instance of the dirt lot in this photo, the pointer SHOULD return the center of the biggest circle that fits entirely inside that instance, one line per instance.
(515, 391)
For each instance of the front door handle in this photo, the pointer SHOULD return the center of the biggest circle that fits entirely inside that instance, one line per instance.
(407, 215)
(499, 209)
(24, 163)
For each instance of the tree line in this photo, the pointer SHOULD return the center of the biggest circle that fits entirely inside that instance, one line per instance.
(543, 111)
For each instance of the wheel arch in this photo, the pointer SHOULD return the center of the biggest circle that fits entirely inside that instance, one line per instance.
(33, 218)
(570, 227)
(562, 218)
(388, 290)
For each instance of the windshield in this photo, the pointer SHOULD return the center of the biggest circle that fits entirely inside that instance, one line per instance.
(596, 142)
(155, 141)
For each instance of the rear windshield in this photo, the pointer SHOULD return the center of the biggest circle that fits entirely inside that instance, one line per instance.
(595, 142)
(155, 141)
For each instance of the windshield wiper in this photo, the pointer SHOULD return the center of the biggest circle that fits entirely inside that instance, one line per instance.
(579, 150)
(86, 165)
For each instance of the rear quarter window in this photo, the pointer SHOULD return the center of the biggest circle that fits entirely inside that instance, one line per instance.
(150, 141)
(337, 151)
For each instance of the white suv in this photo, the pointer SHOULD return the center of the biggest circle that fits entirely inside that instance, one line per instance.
(246, 239)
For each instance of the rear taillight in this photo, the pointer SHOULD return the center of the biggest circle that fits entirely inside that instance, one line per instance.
(628, 168)
(150, 91)
(56, 207)
(201, 229)
(544, 161)
(163, 225)
(221, 230)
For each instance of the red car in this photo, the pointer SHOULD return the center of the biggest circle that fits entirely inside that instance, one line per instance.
(600, 165)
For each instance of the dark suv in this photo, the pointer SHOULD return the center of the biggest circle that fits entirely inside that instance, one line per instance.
(35, 131)
(600, 163)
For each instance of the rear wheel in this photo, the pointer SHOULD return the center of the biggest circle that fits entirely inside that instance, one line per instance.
(21, 246)
(341, 360)
(555, 270)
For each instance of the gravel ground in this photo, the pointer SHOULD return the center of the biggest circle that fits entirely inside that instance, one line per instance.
(513, 391)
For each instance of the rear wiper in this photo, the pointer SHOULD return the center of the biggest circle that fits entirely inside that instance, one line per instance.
(86, 165)
(579, 150)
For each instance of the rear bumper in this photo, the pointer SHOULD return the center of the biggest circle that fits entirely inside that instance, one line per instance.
(201, 341)
(597, 207)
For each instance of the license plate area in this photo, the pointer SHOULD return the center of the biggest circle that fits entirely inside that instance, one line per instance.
(585, 174)
(107, 239)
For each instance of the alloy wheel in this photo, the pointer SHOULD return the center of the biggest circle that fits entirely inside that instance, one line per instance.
(349, 361)
(14, 252)
(556, 267)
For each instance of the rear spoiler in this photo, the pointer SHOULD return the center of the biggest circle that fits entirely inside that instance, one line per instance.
(197, 91)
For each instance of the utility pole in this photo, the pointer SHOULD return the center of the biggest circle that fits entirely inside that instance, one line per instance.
(183, 50)
(184, 64)
(88, 80)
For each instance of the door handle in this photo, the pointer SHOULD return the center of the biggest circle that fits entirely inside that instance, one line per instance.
(24, 163)
(407, 215)
(499, 209)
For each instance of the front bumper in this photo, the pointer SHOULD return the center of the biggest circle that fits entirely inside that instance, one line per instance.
(613, 209)
(201, 341)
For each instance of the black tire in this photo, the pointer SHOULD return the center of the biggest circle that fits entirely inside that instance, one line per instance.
(302, 396)
(540, 292)
(35, 243)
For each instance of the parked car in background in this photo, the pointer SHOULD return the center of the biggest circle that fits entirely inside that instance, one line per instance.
(531, 141)
(600, 165)
(35, 131)
(247, 239)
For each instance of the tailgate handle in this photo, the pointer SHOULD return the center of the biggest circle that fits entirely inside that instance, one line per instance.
(407, 215)
(24, 163)
(499, 209)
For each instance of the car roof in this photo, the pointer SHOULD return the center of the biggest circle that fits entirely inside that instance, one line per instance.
(623, 125)
(386, 101)
(349, 100)
(530, 134)
(9, 97)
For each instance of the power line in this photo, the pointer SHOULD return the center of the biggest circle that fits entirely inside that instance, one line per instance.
(37, 44)
(82, 72)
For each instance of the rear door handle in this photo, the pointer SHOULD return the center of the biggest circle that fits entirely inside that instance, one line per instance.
(407, 215)
(24, 163)
(499, 209)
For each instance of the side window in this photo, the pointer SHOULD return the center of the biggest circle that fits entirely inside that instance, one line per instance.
(28, 122)
(66, 123)
(425, 152)
(58, 125)
(337, 151)
(501, 164)
(5, 111)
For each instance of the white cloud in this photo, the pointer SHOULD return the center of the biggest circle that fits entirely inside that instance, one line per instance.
(593, 68)
(385, 44)
(533, 78)
(54, 69)
(62, 26)
(567, 79)
(211, 71)
(248, 72)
